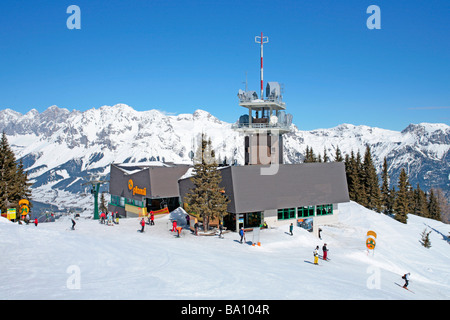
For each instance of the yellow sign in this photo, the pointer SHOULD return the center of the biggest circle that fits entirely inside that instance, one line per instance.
(11, 214)
(136, 189)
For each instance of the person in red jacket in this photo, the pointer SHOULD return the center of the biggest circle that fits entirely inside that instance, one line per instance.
(35, 222)
(152, 218)
(142, 224)
(174, 225)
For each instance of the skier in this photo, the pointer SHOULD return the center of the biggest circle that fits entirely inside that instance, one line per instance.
(179, 231)
(174, 225)
(188, 220)
(35, 222)
(406, 278)
(325, 250)
(242, 234)
(142, 224)
(73, 224)
(291, 228)
(316, 255)
(152, 218)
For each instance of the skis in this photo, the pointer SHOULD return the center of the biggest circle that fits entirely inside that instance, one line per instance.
(404, 287)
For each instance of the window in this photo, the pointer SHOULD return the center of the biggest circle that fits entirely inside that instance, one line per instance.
(304, 212)
(284, 214)
(324, 209)
(133, 202)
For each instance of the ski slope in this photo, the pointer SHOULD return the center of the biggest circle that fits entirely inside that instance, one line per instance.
(116, 262)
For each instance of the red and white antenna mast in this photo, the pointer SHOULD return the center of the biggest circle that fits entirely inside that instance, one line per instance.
(262, 40)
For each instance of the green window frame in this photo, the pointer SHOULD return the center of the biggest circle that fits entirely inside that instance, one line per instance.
(324, 209)
(287, 213)
(305, 212)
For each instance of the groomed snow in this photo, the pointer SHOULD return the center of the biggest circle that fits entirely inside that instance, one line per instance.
(117, 262)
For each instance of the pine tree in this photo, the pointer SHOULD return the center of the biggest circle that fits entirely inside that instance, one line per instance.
(402, 205)
(14, 184)
(425, 239)
(420, 204)
(103, 207)
(433, 207)
(310, 156)
(373, 196)
(207, 198)
(338, 155)
(384, 192)
(359, 176)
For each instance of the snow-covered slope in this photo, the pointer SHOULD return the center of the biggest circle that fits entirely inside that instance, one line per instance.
(60, 148)
(49, 261)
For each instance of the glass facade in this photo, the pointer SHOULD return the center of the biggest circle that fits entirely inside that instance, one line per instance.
(305, 212)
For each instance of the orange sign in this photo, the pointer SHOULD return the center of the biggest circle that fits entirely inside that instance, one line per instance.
(371, 240)
(136, 189)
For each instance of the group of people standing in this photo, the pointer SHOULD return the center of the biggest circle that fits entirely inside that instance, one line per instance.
(324, 253)
(109, 218)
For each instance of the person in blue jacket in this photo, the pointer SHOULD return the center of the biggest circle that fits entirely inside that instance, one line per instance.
(242, 234)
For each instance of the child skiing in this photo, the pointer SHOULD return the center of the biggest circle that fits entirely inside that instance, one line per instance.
(316, 255)
(179, 228)
(35, 222)
(142, 225)
(291, 228)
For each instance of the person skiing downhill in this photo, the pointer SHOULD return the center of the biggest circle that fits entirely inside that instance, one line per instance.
(406, 278)
(316, 255)
(73, 224)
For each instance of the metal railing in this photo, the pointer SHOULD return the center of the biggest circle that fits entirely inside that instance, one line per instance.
(259, 126)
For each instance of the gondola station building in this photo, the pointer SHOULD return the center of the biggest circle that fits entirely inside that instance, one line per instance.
(263, 190)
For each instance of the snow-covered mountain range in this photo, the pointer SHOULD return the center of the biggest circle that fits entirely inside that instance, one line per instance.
(61, 148)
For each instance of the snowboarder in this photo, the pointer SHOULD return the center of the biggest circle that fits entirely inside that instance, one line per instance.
(73, 224)
(291, 228)
(316, 255)
(406, 278)
(325, 250)
(142, 225)
(242, 234)
(35, 222)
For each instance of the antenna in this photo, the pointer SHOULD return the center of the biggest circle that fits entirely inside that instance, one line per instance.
(262, 40)
(246, 83)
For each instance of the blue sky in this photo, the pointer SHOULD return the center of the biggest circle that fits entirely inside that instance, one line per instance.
(179, 56)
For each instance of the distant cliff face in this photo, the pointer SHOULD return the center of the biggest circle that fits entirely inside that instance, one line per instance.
(61, 148)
